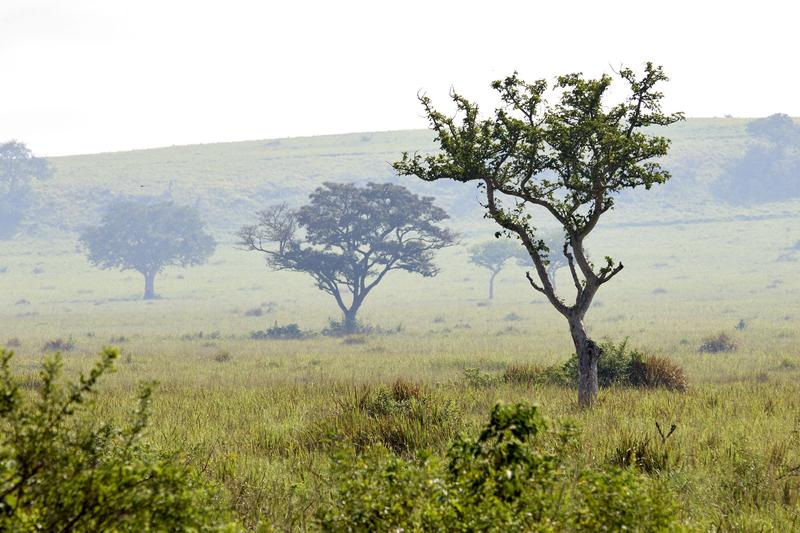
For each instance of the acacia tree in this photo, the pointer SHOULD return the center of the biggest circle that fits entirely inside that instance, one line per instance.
(348, 238)
(564, 159)
(148, 237)
(18, 167)
(493, 255)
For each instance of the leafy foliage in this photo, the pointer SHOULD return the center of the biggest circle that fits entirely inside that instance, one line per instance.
(18, 167)
(619, 365)
(62, 470)
(289, 331)
(147, 237)
(348, 238)
(512, 477)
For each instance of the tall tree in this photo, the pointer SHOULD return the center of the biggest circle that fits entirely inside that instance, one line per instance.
(566, 160)
(493, 255)
(148, 237)
(348, 238)
(18, 167)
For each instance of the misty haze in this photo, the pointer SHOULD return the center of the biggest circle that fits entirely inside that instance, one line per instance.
(439, 295)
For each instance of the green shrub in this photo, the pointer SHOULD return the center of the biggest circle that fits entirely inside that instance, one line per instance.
(289, 331)
(59, 345)
(63, 470)
(511, 477)
(477, 378)
(613, 366)
(720, 343)
(620, 365)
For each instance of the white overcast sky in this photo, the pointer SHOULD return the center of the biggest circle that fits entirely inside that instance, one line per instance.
(82, 76)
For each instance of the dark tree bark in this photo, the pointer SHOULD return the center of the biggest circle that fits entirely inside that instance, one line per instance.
(149, 291)
(588, 353)
(350, 322)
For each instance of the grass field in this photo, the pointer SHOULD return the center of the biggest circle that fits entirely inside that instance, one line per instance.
(249, 411)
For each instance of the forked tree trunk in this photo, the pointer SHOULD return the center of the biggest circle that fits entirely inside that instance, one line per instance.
(588, 353)
(149, 291)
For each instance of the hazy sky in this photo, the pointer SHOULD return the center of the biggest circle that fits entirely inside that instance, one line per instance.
(81, 76)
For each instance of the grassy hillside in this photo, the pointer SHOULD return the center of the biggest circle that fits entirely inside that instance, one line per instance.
(230, 181)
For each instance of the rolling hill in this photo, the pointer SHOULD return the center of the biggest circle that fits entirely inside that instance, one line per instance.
(230, 181)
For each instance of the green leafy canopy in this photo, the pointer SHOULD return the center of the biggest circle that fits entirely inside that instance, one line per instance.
(558, 147)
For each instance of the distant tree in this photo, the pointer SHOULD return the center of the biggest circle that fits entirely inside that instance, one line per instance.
(566, 160)
(779, 130)
(18, 167)
(493, 255)
(145, 237)
(770, 168)
(347, 238)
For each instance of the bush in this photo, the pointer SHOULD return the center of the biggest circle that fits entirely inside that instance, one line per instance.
(621, 366)
(222, 356)
(477, 378)
(59, 345)
(289, 331)
(653, 371)
(255, 311)
(13, 342)
(62, 470)
(511, 477)
(720, 343)
(613, 366)
(336, 328)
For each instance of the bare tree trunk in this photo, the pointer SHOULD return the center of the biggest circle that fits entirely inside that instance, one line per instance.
(350, 323)
(491, 284)
(149, 292)
(588, 353)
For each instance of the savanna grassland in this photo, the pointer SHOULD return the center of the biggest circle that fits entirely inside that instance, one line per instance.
(262, 417)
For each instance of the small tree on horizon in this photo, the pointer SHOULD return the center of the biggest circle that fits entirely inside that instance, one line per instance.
(148, 237)
(493, 255)
(348, 238)
(566, 160)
